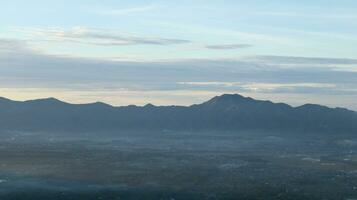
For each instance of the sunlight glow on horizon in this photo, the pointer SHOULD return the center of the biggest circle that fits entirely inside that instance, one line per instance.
(162, 52)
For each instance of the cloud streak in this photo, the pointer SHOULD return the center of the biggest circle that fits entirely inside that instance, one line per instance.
(228, 46)
(80, 77)
(12, 46)
(341, 16)
(126, 11)
(99, 37)
(269, 87)
(304, 60)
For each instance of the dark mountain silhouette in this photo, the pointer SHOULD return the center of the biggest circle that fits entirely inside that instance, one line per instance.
(226, 112)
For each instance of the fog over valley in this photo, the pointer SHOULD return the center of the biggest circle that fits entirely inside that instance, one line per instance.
(178, 100)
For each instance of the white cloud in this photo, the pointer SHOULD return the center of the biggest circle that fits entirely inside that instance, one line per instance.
(292, 87)
(263, 86)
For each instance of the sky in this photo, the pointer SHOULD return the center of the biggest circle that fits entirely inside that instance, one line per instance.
(179, 52)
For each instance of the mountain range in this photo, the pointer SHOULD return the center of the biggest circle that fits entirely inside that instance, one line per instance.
(229, 112)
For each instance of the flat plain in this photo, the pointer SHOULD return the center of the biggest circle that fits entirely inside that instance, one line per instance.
(178, 165)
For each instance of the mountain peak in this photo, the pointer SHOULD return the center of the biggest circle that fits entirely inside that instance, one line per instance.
(149, 105)
(3, 99)
(225, 112)
(229, 99)
(50, 100)
(99, 103)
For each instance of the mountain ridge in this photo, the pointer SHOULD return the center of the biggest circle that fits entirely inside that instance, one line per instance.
(53, 99)
(225, 112)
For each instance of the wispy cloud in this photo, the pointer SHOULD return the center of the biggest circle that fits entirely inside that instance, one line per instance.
(304, 87)
(8, 45)
(342, 16)
(304, 60)
(125, 11)
(228, 46)
(264, 86)
(211, 83)
(269, 76)
(100, 37)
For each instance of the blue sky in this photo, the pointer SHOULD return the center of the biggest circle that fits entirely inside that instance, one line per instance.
(179, 52)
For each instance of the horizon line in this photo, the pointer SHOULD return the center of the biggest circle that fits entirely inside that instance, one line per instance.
(151, 104)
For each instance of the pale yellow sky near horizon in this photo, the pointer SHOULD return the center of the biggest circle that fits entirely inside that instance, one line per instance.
(164, 98)
(165, 52)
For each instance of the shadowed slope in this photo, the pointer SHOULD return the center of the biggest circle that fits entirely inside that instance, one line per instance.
(226, 112)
